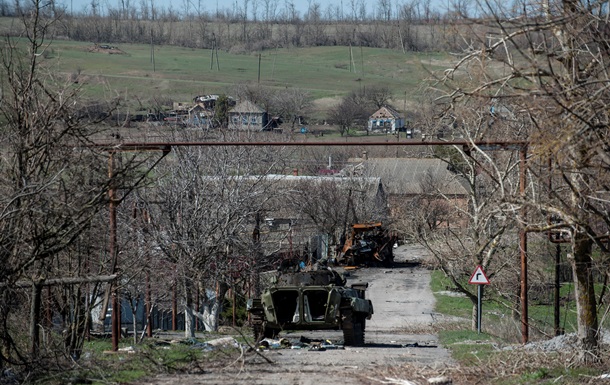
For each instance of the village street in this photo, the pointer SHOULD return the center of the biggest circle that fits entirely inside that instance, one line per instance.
(403, 302)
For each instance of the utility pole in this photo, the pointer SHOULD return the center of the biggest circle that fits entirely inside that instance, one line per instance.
(259, 68)
(112, 246)
(113, 202)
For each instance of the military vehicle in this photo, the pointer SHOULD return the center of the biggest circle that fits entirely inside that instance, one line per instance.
(367, 244)
(311, 300)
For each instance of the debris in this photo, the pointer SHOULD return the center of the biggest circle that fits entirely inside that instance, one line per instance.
(332, 346)
(367, 244)
(269, 343)
(442, 380)
(223, 342)
(128, 349)
(417, 345)
(397, 381)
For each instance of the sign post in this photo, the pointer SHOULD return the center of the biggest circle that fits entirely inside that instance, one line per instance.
(479, 278)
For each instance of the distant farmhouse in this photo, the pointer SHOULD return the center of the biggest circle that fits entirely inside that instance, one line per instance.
(386, 119)
(200, 116)
(202, 113)
(248, 116)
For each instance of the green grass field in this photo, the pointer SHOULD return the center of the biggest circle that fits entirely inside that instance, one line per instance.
(182, 73)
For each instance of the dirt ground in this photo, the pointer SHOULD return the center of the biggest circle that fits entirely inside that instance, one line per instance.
(402, 300)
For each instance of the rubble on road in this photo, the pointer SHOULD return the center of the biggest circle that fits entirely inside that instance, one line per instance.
(322, 345)
(301, 343)
(218, 343)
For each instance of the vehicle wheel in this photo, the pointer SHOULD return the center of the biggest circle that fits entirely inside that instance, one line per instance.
(359, 332)
(257, 327)
(353, 329)
(348, 327)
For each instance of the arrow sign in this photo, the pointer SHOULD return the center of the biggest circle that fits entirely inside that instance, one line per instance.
(479, 277)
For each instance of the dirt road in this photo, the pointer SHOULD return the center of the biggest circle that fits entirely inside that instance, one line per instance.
(402, 301)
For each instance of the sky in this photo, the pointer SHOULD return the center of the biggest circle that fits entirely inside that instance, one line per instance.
(301, 6)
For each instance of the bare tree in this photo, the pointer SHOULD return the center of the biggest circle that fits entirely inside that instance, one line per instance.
(379, 96)
(211, 198)
(53, 187)
(548, 64)
(353, 111)
(292, 105)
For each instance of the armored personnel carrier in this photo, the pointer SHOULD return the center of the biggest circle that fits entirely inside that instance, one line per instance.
(311, 300)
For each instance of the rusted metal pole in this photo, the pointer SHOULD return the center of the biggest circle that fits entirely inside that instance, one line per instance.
(556, 313)
(165, 146)
(112, 245)
(148, 307)
(523, 244)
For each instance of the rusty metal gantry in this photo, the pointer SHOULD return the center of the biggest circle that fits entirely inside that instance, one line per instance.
(467, 146)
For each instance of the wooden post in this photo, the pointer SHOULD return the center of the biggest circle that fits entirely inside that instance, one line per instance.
(523, 245)
(556, 314)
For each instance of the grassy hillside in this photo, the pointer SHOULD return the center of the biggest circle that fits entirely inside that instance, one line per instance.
(182, 73)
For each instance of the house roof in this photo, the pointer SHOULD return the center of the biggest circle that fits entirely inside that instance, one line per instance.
(200, 110)
(386, 112)
(408, 176)
(246, 107)
(369, 186)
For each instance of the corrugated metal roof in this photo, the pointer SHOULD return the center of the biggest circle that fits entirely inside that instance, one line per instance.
(406, 175)
(386, 112)
(246, 107)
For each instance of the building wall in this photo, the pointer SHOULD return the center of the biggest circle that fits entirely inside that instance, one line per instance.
(247, 121)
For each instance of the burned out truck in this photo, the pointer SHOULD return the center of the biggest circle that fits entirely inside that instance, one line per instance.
(367, 244)
(311, 300)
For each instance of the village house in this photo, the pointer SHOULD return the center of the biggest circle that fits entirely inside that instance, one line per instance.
(409, 181)
(386, 119)
(200, 116)
(248, 116)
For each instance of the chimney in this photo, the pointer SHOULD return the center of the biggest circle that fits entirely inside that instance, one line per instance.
(295, 171)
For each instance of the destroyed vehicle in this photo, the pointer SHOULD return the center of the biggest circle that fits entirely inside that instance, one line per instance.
(367, 244)
(311, 300)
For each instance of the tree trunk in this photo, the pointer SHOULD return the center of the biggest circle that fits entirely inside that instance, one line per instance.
(189, 330)
(586, 310)
(35, 319)
(213, 307)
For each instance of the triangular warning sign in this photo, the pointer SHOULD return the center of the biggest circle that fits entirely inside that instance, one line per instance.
(479, 277)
